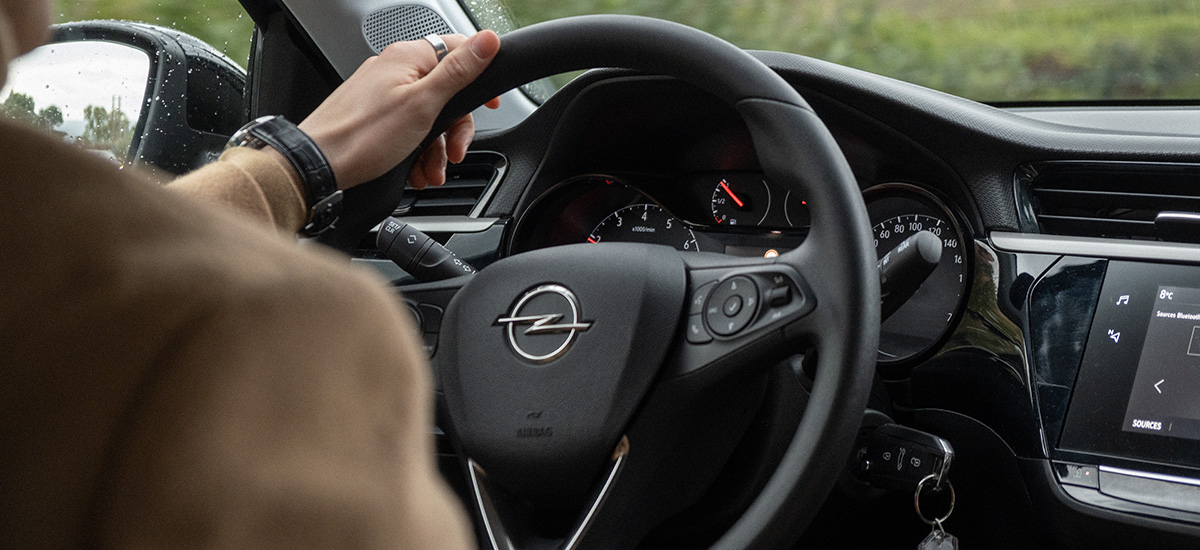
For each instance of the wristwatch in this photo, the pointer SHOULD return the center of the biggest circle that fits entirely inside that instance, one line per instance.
(324, 198)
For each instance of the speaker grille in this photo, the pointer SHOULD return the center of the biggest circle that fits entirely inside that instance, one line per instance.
(400, 23)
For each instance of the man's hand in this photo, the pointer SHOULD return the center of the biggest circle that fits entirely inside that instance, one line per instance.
(382, 112)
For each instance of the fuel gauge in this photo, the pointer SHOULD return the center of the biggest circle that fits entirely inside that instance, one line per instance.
(741, 200)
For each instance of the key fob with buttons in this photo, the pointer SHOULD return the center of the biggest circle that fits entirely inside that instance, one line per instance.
(897, 457)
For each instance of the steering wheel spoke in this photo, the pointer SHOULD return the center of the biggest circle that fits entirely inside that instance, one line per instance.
(493, 522)
(737, 315)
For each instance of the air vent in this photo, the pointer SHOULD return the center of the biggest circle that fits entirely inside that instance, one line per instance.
(465, 188)
(1111, 200)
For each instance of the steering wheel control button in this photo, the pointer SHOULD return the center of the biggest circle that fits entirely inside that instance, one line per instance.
(699, 297)
(783, 297)
(696, 333)
(544, 323)
(732, 305)
(779, 296)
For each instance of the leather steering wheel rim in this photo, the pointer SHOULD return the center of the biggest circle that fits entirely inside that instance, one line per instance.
(795, 150)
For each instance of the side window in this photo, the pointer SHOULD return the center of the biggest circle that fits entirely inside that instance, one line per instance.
(215, 92)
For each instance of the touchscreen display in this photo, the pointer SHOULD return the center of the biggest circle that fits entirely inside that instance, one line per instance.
(1163, 399)
(1137, 394)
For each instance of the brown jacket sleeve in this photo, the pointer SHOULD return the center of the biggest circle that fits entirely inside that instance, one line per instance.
(253, 182)
(176, 376)
(269, 430)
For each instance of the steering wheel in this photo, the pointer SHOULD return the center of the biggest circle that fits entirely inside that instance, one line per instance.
(565, 370)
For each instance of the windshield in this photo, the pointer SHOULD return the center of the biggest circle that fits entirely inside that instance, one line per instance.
(993, 51)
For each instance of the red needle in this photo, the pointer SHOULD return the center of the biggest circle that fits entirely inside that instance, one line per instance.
(590, 240)
(731, 195)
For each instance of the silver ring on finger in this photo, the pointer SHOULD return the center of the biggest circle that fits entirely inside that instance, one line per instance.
(439, 46)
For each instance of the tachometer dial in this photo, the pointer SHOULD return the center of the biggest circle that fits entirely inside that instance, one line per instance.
(644, 223)
(741, 200)
(898, 211)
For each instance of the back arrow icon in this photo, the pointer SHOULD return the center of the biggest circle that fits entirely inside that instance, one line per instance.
(1159, 382)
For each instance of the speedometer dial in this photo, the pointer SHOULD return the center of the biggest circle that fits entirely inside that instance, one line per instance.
(899, 211)
(644, 223)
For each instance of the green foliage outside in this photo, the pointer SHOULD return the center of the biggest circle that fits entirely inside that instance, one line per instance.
(221, 23)
(998, 50)
(21, 107)
(105, 129)
(994, 50)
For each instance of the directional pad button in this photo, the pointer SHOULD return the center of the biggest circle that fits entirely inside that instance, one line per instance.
(732, 305)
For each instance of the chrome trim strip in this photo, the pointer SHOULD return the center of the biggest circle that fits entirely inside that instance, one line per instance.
(619, 455)
(1148, 475)
(446, 224)
(491, 521)
(1092, 246)
(481, 204)
(1185, 217)
(948, 454)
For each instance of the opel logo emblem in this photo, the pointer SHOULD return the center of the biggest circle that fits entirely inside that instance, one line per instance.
(544, 323)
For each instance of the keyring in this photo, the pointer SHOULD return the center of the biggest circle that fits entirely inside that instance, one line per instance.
(917, 500)
(439, 46)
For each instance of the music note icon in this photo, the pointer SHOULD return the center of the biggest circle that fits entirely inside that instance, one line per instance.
(1123, 300)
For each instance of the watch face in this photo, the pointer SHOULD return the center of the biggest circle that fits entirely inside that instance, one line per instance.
(323, 197)
(245, 137)
(253, 142)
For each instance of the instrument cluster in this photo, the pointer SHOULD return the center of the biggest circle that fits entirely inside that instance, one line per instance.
(738, 213)
(744, 214)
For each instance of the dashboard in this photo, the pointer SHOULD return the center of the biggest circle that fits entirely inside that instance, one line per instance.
(1054, 343)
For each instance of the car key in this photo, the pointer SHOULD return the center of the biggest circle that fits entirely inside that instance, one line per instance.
(938, 538)
(897, 457)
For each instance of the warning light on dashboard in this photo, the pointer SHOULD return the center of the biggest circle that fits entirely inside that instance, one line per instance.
(771, 254)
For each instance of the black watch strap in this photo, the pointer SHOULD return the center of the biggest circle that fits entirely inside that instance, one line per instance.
(324, 198)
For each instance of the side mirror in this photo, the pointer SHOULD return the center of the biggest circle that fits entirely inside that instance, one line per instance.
(136, 93)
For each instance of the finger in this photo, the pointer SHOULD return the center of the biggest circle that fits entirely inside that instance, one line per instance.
(458, 139)
(434, 165)
(419, 54)
(463, 63)
(493, 103)
(416, 175)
